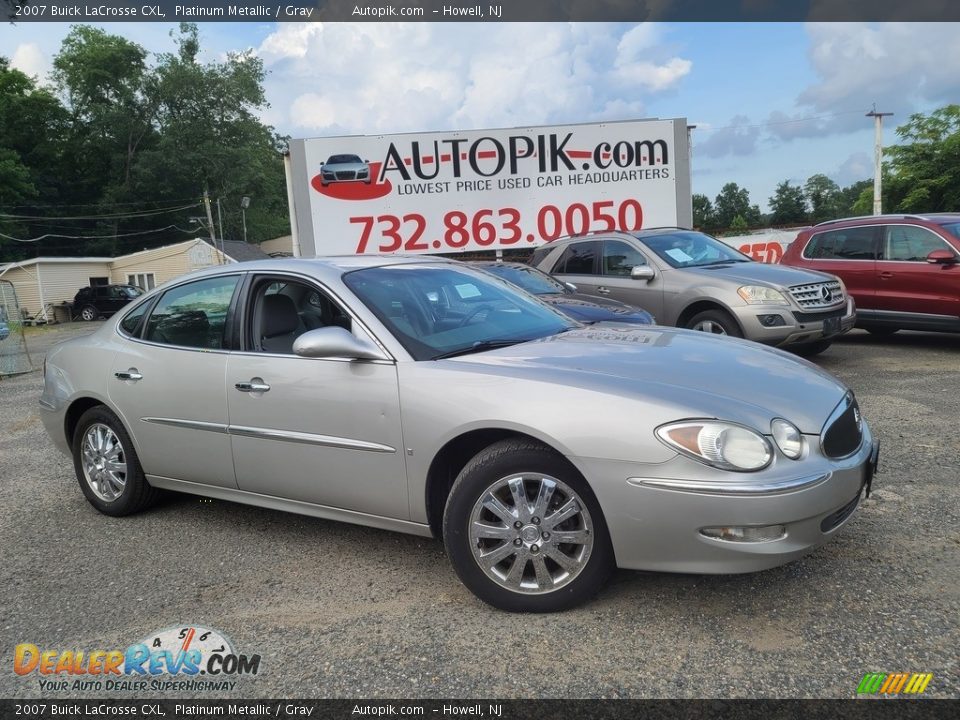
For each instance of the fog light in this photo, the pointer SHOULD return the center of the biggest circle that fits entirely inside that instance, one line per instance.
(771, 320)
(768, 533)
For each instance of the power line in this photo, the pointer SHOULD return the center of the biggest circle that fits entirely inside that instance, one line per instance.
(92, 237)
(830, 116)
(100, 204)
(113, 216)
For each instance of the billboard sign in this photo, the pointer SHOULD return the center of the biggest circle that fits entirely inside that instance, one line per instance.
(448, 192)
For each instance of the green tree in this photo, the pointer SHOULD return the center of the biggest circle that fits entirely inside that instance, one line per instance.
(732, 201)
(824, 197)
(788, 205)
(924, 168)
(738, 225)
(31, 149)
(850, 195)
(703, 214)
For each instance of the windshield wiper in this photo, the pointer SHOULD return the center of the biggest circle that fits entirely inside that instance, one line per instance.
(478, 346)
(720, 262)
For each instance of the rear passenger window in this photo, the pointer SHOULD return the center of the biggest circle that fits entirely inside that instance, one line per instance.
(131, 323)
(856, 243)
(910, 243)
(193, 315)
(579, 259)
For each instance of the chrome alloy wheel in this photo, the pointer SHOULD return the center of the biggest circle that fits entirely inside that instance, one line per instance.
(710, 326)
(531, 533)
(104, 462)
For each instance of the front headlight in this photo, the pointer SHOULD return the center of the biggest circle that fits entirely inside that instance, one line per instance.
(761, 295)
(723, 445)
(787, 437)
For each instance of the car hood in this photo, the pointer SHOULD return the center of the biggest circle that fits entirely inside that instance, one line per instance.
(592, 308)
(755, 272)
(697, 374)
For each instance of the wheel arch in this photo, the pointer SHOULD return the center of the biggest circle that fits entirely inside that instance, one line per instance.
(703, 305)
(77, 406)
(454, 455)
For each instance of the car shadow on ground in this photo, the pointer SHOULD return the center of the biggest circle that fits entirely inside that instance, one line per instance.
(903, 338)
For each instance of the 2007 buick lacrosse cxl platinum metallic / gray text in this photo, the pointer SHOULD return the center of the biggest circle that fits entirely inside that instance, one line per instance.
(425, 396)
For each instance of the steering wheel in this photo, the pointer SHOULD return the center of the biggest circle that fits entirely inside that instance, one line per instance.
(473, 313)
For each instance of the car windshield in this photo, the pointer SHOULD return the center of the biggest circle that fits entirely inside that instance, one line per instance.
(343, 159)
(952, 228)
(439, 311)
(131, 291)
(688, 248)
(528, 278)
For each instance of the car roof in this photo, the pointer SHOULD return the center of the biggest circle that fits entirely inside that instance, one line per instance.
(326, 267)
(933, 218)
(498, 263)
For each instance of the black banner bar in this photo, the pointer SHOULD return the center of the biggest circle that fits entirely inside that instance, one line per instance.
(867, 709)
(477, 10)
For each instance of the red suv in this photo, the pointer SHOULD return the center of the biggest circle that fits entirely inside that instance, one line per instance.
(903, 271)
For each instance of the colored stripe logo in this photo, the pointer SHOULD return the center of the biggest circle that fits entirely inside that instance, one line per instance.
(894, 683)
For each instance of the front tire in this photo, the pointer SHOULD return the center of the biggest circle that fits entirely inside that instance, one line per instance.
(811, 349)
(715, 322)
(107, 465)
(524, 531)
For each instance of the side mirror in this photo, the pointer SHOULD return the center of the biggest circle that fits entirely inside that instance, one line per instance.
(334, 341)
(642, 272)
(942, 256)
(570, 286)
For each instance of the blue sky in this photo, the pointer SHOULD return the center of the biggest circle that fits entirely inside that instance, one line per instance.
(771, 101)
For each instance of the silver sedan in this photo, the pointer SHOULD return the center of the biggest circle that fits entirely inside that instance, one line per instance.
(427, 397)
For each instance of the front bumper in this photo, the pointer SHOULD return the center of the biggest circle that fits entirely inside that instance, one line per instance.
(793, 325)
(655, 512)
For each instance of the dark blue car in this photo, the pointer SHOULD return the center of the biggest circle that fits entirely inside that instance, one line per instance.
(584, 308)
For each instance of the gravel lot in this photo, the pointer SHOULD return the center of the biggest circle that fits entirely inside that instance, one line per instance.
(343, 611)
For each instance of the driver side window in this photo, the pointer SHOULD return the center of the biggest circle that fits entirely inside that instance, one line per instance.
(619, 258)
(282, 310)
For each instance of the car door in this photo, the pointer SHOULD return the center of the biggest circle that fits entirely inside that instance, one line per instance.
(579, 264)
(167, 381)
(906, 282)
(618, 259)
(317, 430)
(849, 253)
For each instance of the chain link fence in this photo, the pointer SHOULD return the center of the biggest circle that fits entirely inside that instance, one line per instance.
(14, 356)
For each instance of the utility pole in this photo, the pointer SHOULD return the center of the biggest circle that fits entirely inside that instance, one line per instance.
(878, 159)
(206, 204)
(220, 224)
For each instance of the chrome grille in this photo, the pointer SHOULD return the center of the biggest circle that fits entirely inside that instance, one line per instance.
(346, 175)
(818, 295)
(843, 432)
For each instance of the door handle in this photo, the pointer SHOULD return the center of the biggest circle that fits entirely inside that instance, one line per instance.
(603, 290)
(254, 385)
(886, 275)
(131, 374)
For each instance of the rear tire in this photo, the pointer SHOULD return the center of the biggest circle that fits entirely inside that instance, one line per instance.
(560, 554)
(88, 313)
(811, 349)
(715, 322)
(107, 465)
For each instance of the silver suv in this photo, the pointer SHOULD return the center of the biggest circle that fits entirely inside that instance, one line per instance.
(691, 280)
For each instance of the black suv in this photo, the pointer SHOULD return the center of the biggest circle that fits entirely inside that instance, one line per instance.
(92, 302)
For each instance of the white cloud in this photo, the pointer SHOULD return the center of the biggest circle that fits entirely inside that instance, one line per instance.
(858, 166)
(29, 59)
(378, 77)
(900, 67)
(738, 138)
